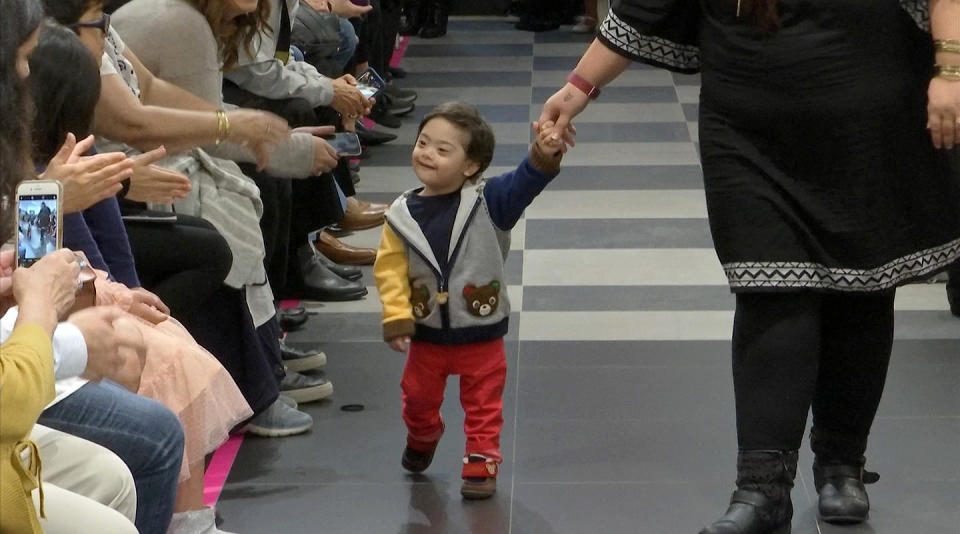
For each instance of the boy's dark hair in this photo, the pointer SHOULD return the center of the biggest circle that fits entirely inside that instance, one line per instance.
(482, 142)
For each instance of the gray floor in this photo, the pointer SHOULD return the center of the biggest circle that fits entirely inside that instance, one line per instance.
(619, 402)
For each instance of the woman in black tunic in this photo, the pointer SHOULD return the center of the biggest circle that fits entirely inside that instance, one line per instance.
(824, 194)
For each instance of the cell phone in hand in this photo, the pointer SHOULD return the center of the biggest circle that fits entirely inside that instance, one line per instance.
(39, 220)
(345, 143)
(370, 83)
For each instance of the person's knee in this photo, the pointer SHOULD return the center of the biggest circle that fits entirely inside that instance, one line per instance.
(167, 437)
(115, 483)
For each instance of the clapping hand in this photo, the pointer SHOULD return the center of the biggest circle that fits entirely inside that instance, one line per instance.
(150, 183)
(87, 179)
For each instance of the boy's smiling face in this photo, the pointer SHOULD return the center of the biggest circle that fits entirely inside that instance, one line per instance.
(440, 159)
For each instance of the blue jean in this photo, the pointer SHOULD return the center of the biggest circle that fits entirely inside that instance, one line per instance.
(142, 432)
(348, 43)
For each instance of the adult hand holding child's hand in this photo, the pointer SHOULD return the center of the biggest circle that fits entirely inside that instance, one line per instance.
(549, 139)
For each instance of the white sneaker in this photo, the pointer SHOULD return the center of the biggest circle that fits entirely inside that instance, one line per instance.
(195, 522)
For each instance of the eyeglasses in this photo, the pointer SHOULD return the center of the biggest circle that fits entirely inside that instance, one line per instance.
(103, 24)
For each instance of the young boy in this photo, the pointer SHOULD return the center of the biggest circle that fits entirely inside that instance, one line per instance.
(439, 271)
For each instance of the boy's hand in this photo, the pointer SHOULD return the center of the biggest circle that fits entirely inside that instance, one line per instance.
(400, 343)
(549, 140)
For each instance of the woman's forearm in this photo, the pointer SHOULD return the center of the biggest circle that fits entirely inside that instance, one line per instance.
(600, 65)
(121, 117)
(945, 24)
(166, 94)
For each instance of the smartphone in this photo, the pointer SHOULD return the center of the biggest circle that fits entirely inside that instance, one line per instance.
(345, 143)
(39, 221)
(370, 83)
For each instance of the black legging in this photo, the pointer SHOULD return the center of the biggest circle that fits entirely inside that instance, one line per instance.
(794, 350)
(183, 262)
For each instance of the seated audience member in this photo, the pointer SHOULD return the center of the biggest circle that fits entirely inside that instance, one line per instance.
(291, 90)
(43, 292)
(326, 39)
(85, 180)
(176, 371)
(227, 322)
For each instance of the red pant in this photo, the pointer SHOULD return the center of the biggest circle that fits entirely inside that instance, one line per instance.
(483, 370)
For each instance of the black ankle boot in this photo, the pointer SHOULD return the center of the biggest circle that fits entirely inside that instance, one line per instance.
(761, 504)
(435, 23)
(839, 477)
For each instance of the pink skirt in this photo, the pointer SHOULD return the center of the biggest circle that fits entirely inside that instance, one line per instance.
(186, 378)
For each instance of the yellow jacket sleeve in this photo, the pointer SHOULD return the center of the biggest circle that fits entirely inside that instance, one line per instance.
(393, 284)
(26, 387)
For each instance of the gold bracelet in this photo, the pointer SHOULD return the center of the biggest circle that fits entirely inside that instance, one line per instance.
(223, 126)
(947, 72)
(947, 45)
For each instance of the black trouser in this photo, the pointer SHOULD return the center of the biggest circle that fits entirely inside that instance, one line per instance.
(183, 262)
(953, 282)
(251, 355)
(792, 351)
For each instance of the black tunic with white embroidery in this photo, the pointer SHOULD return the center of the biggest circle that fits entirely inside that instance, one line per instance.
(818, 168)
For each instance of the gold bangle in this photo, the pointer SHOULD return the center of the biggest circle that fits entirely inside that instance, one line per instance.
(947, 72)
(947, 45)
(223, 126)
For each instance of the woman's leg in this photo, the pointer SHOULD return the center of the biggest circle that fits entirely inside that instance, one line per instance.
(187, 274)
(776, 345)
(85, 468)
(145, 434)
(857, 341)
(70, 513)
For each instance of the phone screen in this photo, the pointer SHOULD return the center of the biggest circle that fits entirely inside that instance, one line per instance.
(36, 227)
(345, 143)
(370, 83)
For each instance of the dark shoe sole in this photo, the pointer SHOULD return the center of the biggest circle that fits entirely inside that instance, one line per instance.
(478, 490)
(309, 294)
(418, 467)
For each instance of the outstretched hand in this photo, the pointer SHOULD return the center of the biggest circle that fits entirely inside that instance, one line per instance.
(151, 183)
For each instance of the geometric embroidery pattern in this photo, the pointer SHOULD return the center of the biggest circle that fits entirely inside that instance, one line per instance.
(647, 47)
(818, 276)
(919, 11)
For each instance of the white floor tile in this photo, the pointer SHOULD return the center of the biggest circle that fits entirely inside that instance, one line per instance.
(622, 267)
(660, 204)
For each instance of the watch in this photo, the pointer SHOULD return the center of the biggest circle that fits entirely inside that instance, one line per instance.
(580, 83)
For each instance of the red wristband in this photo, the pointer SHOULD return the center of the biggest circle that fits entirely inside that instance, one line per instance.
(580, 83)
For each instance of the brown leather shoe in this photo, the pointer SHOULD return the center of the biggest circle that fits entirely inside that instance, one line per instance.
(339, 252)
(360, 215)
(360, 220)
(372, 206)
